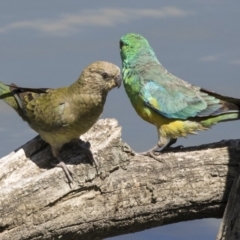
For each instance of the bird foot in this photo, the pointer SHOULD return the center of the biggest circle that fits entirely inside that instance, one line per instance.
(64, 167)
(150, 153)
(153, 154)
(169, 149)
(127, 149)
(85, 149)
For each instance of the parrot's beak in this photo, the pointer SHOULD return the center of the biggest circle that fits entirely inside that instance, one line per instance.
(118, 81)
(121, 44)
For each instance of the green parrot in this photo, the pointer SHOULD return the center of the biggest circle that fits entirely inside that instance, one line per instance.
(62, 115)
(174, 106)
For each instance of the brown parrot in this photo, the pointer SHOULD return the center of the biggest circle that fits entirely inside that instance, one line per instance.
(63, 114)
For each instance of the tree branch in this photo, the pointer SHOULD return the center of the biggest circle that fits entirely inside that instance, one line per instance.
(128, 194)
(230, 227)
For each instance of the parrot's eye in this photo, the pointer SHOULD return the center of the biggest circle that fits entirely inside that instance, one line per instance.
(105, 75)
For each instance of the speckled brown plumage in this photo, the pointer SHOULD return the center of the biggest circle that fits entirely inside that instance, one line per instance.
(63, 114)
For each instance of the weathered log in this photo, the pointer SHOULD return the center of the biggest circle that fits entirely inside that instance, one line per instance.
(230, 226)
(127, 194)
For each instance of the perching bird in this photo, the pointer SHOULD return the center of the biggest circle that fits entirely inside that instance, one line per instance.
(63, 114)
(174, 106)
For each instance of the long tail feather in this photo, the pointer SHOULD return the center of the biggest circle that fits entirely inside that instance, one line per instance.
(7, 96)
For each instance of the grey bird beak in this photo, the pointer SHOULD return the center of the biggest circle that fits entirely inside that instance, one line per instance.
(118, 81)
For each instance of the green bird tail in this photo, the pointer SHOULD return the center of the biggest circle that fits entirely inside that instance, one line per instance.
(12, 98)
(230, 109)
(8, 97)
(221, 118)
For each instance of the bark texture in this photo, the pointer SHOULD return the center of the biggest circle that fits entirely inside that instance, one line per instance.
(230, 226)
(127, 194)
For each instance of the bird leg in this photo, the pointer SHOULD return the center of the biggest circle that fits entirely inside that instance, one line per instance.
(64, 167)
(85, 148)
(155, 152)
(168, 146)
(162, 143)
(61, 164)
(171, 142)
(89, 154)
(152, 150)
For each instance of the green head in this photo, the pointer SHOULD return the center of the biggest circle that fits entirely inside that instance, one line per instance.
(132, 45)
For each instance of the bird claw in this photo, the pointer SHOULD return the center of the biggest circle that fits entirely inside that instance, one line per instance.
(156, 157)
(66, 170)
(153, 154)
(127, 149)
(85, 149)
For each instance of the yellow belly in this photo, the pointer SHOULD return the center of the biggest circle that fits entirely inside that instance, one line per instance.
(168, 127)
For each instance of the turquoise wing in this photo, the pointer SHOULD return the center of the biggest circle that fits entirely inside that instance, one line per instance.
(177, 101)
